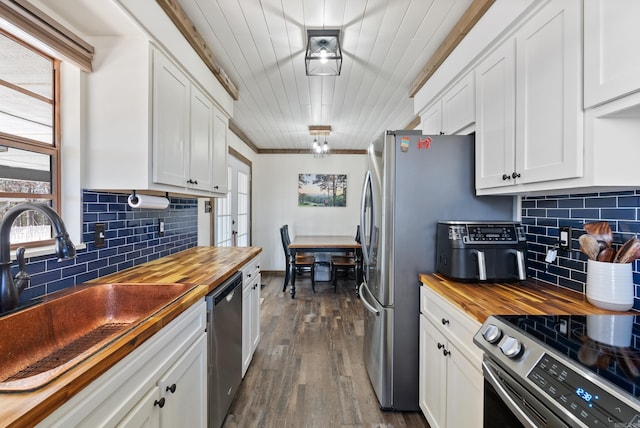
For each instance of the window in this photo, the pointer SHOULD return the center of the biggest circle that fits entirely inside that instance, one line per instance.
(29, 136)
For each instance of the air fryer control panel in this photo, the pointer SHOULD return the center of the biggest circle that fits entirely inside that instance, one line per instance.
(486, 233)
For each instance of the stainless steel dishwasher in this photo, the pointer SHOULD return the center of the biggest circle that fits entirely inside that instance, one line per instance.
(224, 331)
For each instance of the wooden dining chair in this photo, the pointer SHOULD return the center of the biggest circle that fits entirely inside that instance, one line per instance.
(344, 262)
(303, 262)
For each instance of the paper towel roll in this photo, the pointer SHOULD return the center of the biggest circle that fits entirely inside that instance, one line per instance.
(146, 201)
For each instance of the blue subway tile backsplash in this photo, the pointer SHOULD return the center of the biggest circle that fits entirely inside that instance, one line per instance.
(542, 216)
(131, 238)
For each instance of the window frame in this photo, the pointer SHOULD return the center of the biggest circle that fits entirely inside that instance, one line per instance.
(52, 149)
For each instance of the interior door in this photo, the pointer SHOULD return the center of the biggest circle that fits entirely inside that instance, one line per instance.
(233, 213)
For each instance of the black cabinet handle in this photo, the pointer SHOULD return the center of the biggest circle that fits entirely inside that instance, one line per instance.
(515, 175)
(215, 187)
(159, 403)
(440, 345)
(445, 352)
(506, 177)
(172, 388)
(445, 321)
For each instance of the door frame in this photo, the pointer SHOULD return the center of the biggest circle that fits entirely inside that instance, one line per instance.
(243, 159)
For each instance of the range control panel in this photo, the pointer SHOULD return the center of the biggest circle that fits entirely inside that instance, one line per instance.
(586, 401)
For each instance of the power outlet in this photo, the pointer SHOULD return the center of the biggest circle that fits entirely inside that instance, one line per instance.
(564, 238)
(98, 235)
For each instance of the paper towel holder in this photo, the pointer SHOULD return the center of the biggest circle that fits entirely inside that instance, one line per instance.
(149, 202)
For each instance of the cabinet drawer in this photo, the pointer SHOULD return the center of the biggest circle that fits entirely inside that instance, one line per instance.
(250, 270)
(454, 323)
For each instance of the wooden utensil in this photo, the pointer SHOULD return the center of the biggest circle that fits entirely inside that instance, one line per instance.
(629, 251)
(601, 231)
(606, 255)
(589, 246)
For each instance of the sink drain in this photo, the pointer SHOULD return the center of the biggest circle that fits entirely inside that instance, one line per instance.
(68, 352)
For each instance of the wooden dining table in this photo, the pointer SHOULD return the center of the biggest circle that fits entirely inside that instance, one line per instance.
(326, 244)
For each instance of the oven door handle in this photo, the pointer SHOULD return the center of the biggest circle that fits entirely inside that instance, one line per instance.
(491, 377)
(518, 410)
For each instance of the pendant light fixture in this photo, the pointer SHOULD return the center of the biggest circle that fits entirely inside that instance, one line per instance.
(320, 149)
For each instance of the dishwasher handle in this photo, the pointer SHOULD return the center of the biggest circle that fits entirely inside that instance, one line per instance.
(227, 289)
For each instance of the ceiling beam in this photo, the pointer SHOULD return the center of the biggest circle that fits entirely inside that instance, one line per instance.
(455, 36)
(234, 128)
(308, 152)
(176, 13)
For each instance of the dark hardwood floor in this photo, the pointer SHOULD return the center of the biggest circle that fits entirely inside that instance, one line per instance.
(308, 370)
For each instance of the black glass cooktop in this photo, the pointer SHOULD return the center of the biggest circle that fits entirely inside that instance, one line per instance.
(606, 345)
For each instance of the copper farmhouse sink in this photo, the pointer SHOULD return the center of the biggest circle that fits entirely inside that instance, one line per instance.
(42, 342)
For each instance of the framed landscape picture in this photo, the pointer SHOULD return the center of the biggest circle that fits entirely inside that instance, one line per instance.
(322, 190)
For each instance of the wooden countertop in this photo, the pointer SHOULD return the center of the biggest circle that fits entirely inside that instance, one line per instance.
(203, 267)
(531, 297)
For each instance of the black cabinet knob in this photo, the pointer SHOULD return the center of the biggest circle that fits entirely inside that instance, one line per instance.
(440, 345)
(445, 321)
(172, 388)
(445, 352)
(159, 403)
(506, 177)
(515, 175)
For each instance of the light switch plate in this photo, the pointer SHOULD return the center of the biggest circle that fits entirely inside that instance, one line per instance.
(564, 238)
(98, 235)
(160, 227)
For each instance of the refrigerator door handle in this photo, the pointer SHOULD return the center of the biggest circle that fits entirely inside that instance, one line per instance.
(363, 232)
(366, 304)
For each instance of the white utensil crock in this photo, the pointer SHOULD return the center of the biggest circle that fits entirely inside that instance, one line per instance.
(610, 285)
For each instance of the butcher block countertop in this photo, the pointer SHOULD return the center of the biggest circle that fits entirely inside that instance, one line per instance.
(531, 297)
(203, 267)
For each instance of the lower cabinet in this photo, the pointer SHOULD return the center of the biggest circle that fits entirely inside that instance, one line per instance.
(160, 384)
(250, 311)
(451, 381)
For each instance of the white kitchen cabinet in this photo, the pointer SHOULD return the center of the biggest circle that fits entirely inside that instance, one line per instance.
(431, 120)
(454, 111)
(250, 311)
(495, 117)
(132, 392)
(450, 364)
(219, 178)
(611, 56)
(150, 126)
(185, 127)
(548, 142)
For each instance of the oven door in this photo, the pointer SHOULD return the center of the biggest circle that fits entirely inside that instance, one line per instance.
(507, 404)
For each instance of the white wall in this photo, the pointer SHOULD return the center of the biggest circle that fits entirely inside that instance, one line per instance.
(275, 199)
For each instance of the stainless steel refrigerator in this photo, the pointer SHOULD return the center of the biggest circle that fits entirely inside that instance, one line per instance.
(413, 181)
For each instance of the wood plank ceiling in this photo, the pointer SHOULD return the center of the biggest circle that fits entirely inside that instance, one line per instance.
(260, 45)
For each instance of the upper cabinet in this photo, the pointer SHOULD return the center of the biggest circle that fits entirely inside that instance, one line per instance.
(453, 112)
(150, 126)
(611, 57)
(528, 110)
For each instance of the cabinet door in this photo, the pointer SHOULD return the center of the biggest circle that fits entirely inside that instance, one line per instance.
(432, 120)
(495, 118)
(465, 384)
(220, 173)
(255, 313)
(247, 297)
(170, 122)
(458, 106)
(611, 56)
(184, 388)
(201, 141)
(548, 92)
(145, 414)
(432, 374)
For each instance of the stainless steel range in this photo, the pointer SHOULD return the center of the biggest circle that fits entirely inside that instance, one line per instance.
(559, 371)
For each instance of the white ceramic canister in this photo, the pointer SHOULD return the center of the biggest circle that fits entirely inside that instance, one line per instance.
(610, 285)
